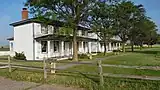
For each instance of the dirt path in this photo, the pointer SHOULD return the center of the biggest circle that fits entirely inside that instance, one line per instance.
(8, 84)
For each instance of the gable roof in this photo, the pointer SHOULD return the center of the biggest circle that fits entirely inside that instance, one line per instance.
(53, 22)
(57, 23)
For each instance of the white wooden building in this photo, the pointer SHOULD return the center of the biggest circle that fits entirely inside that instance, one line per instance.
(37, 40)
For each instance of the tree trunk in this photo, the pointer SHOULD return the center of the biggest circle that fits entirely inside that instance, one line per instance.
(132, 46)
(105, 49)
(75, 51)
(141, 45)
(123, 46)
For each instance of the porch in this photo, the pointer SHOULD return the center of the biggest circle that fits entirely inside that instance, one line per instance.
(62, 47)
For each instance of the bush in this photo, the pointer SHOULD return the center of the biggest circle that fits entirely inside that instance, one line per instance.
(83, 56)
(19, 56)
(117, 50)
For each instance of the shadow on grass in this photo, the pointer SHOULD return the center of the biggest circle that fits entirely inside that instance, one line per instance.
(143, 51)
(148, 52)
(78, 74)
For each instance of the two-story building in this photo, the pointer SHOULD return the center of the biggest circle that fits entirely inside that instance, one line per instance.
(37, 40)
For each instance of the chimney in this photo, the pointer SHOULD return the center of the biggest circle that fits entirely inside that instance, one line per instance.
(24, 14)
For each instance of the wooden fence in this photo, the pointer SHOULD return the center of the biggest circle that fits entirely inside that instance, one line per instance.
(98, 64)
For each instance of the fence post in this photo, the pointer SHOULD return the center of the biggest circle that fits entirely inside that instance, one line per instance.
(53, 67)
(44, 68)
(101, 75)
(9, 63)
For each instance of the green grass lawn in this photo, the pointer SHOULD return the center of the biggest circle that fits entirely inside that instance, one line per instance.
(40, 63)
(89, 82)
(147, 56)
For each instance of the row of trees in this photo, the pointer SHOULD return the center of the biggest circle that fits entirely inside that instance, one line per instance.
(107, 18)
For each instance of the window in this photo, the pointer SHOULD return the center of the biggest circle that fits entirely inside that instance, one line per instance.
(44, 29)
(56, 46)
(56, 30)
(83, 33)
(86, 33)
(50, 29)
(44, 46)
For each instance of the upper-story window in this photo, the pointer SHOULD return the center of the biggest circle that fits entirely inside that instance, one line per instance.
(84, 33)
(56, 30)
(50, 29)
(44, 29)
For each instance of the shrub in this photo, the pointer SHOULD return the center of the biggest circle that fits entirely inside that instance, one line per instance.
(19, 56)
(117, 50)
(83, 56)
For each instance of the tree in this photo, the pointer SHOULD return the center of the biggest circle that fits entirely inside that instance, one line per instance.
(123, 16)
(158, 39)
(147, 32)
(72, 12)
(137, 16)
(101, 22)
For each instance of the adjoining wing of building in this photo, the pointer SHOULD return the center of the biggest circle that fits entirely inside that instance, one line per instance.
(37, 40)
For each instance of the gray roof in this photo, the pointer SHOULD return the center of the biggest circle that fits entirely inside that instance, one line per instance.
(53, 22)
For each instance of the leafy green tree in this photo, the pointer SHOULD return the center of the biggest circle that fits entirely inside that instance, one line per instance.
(146, 32)
(101, 22)
(137, 16)
(158, 38)
(72, 12)
(124, 16)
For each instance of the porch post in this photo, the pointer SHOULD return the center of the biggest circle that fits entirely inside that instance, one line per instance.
(110, 46)
(119, 45)
(49, 48)
(62, 48)
(89, 47)
(96, 47)
(107, 47)
(116, 46)
(82, 49)
(113, 46)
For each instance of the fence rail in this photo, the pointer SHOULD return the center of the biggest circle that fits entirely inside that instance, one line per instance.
(133, 67)
(98, 64)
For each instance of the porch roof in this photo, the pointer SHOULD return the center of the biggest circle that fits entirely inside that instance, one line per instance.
(63, 37)
(112, 40)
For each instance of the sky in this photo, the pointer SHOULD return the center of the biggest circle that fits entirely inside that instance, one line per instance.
(10, 11)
